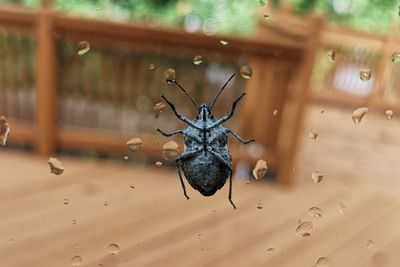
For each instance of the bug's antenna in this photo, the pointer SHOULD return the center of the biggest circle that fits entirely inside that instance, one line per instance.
(220, 91)
(183, 90)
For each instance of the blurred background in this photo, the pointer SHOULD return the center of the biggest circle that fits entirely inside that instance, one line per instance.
(79, 78)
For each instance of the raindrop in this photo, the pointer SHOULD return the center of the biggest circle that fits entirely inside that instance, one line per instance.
(113, 249)
(396, 57)
(260, 169)
(370, 243)
(246, 72)
(197, 60)
(317, 177)
(315, 212)
(262, 2)
(389, 114)
(322, 262)
(134, 144)
(270, 250)
(76, 260)
(365, 75)
(304, 228)
(82, 48)
(158, 164)
(358, 114)
(332, 55)
(152, 66)
(66, 201)
(313, 135)
(342, 208)
(158, 109)
(275, 112)
(4, 130)
(55, 166)
(223, 42)
(170, 150)
(170, 75)
(259, 206)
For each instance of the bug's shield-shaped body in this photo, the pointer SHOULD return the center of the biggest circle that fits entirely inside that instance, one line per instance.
(204, 171)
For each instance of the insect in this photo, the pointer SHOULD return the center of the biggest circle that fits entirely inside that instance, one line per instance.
(205, 161)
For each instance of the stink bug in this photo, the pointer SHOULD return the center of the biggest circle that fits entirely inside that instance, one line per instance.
(206, 161)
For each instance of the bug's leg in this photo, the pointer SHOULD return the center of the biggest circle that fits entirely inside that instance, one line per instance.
(239, 138)
(179, 159)
(230, 190)
(180, 178)
(230, 175)
(182, 118)
(228, 116)
(169, 134)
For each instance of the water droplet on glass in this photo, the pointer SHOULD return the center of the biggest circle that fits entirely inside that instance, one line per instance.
(158, 109)
(322, 262)
(113, 249)
(270, 250)
(365, 75)
(82, 48)
(170, 150)
(134, 144)
(259, 206)
(275, 112)
(152, 66)
(197, 60)
(358, 114)
(260, 169)
(313, 135)
(396, 57)
(76, 260)
(262, 2)
(170, 75)
(317, 177)
(304, 228)
(315, 212)
(223, 42)
(74, 221)
(370, 243)
(332, 55)
(55, 166)
(389, 114)
(158, 164)
(342, 208)
(66, 201)
(4, 130)
(246, 72)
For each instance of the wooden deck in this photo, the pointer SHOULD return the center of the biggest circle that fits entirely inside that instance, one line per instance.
(154, 225)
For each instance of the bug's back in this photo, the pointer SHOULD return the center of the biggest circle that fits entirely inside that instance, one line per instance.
(204, 172)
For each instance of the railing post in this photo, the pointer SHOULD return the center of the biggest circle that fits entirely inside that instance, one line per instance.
(299, 91)
(46, 83)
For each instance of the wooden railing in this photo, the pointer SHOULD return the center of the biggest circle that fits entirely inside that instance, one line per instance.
(97, 101)
(338, 82)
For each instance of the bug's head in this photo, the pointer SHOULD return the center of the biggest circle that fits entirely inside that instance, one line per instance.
(204, 112)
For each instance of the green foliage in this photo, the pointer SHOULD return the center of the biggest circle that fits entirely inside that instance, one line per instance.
(369, 15)
(222, 16)
(227, 16)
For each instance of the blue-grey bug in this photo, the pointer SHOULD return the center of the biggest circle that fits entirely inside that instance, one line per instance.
(206, 161)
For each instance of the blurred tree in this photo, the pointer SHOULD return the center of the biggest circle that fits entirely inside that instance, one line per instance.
(227, 16)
